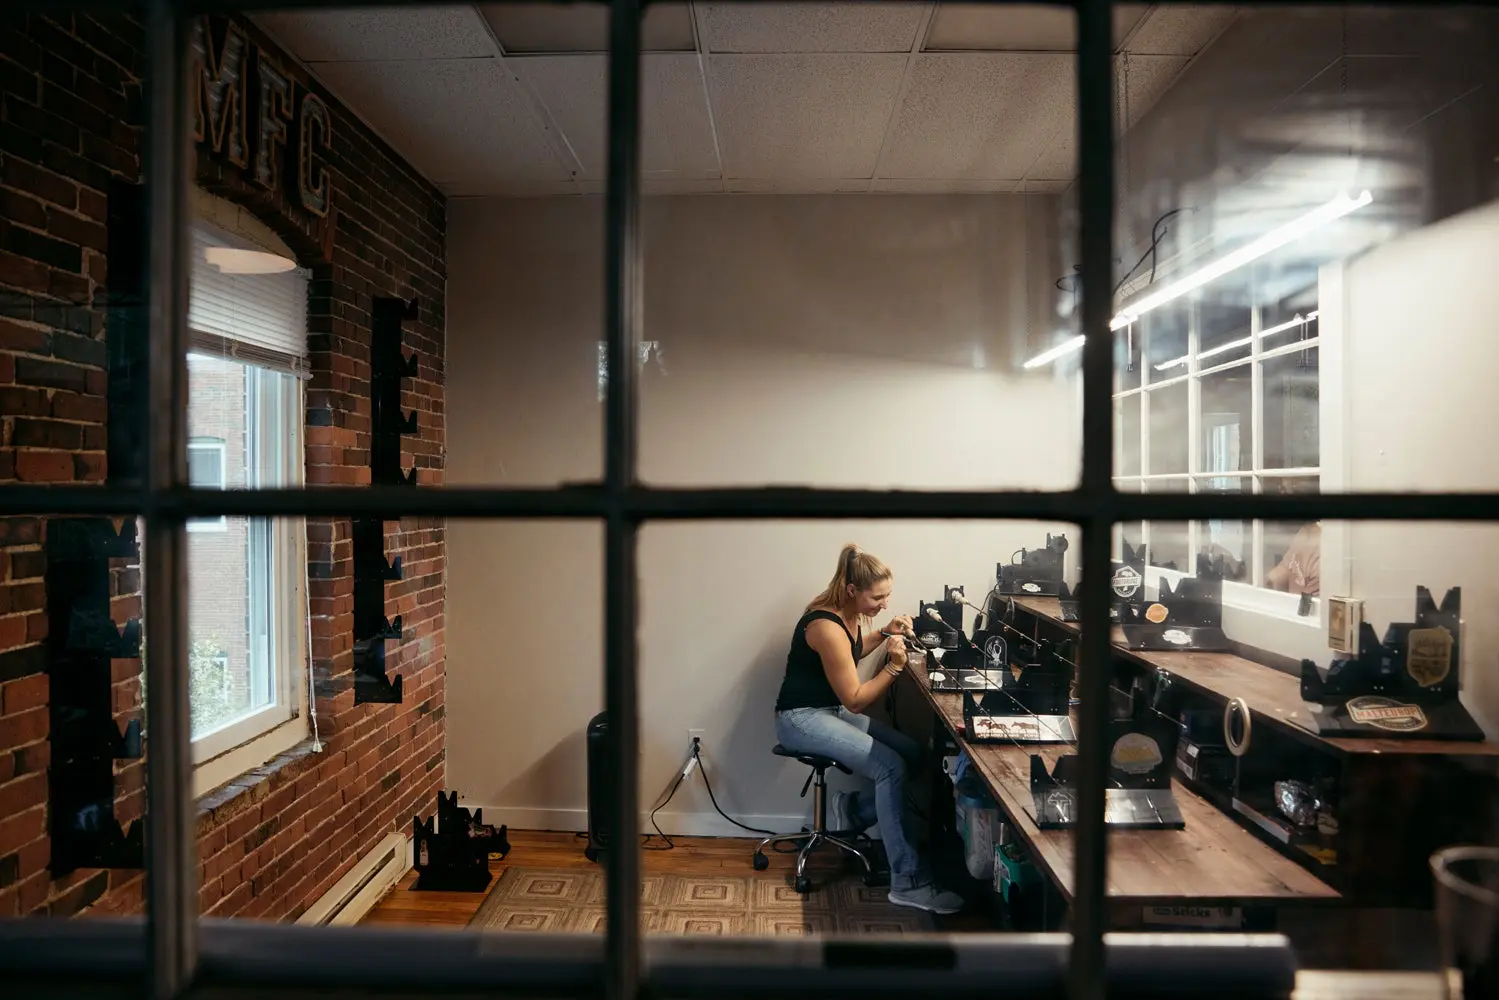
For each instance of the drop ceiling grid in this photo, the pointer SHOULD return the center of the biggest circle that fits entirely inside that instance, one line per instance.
(787, 109)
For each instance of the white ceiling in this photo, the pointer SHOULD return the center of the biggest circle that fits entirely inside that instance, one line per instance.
(785, 97)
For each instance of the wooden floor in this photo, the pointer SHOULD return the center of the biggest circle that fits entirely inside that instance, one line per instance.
(540, 849)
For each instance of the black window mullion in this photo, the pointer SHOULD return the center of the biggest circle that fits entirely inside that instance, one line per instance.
(172, 865)
(1095, 46)
(622, 318)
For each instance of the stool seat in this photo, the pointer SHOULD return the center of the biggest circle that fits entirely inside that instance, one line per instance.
(816, 760)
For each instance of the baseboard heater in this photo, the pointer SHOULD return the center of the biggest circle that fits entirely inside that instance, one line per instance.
(356, 893)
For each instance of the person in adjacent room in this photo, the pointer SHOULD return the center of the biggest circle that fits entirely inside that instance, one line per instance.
(820, 710)
(1300, 571)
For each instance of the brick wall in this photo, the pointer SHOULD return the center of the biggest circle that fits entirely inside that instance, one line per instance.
(274, 840)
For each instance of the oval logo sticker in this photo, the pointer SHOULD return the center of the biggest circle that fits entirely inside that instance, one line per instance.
(1156, 613)
(1176, 637)
(1386, 713)
(1030, 588)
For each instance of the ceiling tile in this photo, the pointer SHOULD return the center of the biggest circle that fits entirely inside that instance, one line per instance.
(584, 27)
(680, 185)
(487, 130)
(928, 185)
(809, 27)
(802, 185)
(790, 116)
(676, 127)
(958, 27)
(1148, 78)
(382, 33)
(979, 115)
(1180, 30)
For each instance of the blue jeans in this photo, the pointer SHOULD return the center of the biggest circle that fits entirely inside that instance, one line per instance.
(871, 750)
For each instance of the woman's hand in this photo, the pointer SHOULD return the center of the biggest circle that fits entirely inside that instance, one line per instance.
(898, 659)
(898, 625)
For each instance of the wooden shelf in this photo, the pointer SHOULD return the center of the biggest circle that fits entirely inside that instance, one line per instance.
(1273, 696)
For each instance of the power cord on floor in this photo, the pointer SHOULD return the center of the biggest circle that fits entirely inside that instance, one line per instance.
(697, 755)
(646, 838)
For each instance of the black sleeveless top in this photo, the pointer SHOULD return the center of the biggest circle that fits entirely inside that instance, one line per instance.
(806, 683)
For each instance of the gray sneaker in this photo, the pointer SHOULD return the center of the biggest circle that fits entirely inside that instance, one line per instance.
(839, 820)
(927, 897)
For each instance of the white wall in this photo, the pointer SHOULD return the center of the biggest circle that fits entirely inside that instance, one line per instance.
(1418, 402)
(830, 341)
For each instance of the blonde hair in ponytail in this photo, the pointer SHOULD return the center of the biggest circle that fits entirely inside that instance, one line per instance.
(855, 566)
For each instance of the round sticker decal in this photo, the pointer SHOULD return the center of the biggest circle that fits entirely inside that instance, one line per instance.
(1030, 588)
(1156, 613)
(1135, 753)
(1176, 637)
(996, 650)
(1126, 581)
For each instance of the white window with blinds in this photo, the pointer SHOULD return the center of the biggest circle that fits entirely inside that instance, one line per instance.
(247, 576)
(247, 303)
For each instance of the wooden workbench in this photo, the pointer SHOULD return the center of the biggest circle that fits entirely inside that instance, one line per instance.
(1211, 862)
(1273, 696)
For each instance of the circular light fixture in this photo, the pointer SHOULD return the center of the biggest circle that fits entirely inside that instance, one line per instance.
(232, 260)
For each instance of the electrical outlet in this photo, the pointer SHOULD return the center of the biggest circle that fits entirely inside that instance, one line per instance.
(696, 735)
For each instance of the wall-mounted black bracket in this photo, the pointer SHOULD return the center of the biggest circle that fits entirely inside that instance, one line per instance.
(388, 365)
(85, 739)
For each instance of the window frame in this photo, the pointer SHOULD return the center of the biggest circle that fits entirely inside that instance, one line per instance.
(168, 955)
(275, 417)
(1256, 606)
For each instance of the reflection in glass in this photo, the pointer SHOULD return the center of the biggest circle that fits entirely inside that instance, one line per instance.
(1168, 433)
(1291, 410)
(1227, 421)
(1223, 333)
(1170, 541)
(1127, 435)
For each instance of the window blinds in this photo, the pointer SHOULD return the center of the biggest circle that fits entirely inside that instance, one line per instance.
(258, 319)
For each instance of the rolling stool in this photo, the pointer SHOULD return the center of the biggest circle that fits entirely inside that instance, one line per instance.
(818, 835)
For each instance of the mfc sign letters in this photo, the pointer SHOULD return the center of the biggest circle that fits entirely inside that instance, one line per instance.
(240, 93)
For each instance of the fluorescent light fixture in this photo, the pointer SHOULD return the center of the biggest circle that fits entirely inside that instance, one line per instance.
(1062, 349)
(232, 260)
(1273, 240)
(1289, 324)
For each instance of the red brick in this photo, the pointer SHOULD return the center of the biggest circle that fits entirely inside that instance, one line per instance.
(70, 406)
(12, 633)
(22, 828)
(23, 793)
(23, 727)
(19, 695)
(30, 339)
(44, 467)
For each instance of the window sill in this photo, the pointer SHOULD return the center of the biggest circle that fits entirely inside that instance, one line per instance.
(230, 768)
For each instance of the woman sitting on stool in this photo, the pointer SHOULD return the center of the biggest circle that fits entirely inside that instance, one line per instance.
(819, 711)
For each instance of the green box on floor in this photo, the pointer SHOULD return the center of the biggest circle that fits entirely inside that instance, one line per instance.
(1012, 870)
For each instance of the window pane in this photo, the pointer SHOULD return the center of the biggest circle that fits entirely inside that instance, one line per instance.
(1291, 551)
(1291, 411)
(1127, 435)
(1168, 432)
(1130, 532)
(1166, 332)
(1170, 545)
(1227, 421)
(828, 259)
(1223, 333)
(1225, 544)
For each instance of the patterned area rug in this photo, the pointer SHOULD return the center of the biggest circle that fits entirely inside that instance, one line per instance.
(555, 900)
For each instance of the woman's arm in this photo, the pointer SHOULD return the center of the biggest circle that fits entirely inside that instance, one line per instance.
(831, 644)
